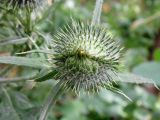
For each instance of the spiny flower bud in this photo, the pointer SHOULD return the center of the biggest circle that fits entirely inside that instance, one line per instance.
(85, 55)
(23, 3)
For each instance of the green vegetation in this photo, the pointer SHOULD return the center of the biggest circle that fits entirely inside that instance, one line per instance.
(28, 70)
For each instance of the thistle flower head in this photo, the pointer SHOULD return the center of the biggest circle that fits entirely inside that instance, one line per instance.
(85, 56)
(23, 3)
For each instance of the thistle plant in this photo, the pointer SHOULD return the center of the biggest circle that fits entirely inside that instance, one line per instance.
(82, 56)
(22, 3)
(85, 55)
(22, 17)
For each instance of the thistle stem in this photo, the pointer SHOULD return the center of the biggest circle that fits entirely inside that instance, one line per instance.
(53, 95)
(97, 12)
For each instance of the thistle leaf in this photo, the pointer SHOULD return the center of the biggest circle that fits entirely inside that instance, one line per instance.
(118, 91)
(43, 75)
(23, 61)
(150, 70)
(7, 110)
(16, 106)
(13, 41)
(133, 78)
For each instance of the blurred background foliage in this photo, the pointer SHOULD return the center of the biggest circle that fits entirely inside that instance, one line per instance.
(135, 22)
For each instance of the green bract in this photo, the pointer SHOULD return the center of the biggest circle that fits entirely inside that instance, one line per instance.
(85, 56)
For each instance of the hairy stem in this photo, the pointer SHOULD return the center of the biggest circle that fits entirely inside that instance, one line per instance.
(53, 95)
(97, 12)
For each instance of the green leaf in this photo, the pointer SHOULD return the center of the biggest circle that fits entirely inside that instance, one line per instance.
(73, 110)
(13, 41)
(19, 100)
(16, 106)
(133, 78)
(116, 90)
(150, 70)
(24, 61)
(22, 105)
(7, 111)
(29, 114)
(46, 74)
